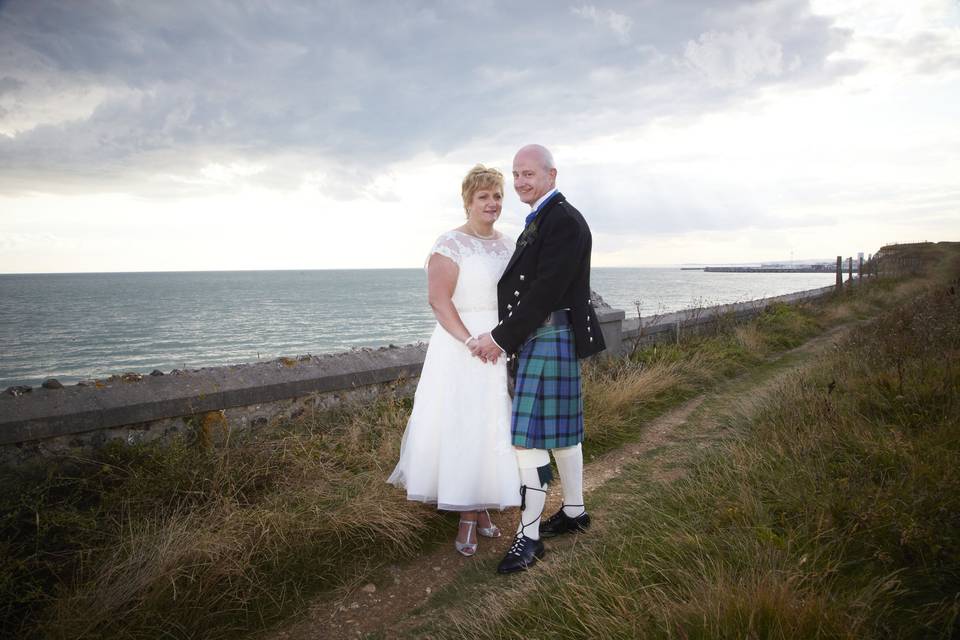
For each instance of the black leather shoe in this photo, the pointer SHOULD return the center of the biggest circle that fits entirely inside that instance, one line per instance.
(522, 555)
(560, 523)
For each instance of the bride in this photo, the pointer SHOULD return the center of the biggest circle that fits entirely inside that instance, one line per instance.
(456, 450)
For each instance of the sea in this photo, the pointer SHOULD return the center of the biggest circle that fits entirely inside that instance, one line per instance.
(84, 326)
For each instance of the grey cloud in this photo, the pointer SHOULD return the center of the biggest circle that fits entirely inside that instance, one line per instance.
(930, 52)
(357, 85)
(934, 53)
(618, 23)
(936, 65)
(655, 205)
(10, 84)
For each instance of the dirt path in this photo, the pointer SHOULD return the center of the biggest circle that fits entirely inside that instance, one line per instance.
(387, 608)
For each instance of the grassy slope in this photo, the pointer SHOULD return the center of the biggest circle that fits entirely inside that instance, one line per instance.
(194, 540)
(834, 512)
(206, 540)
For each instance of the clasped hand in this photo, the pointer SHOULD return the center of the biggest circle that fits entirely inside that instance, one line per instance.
(485, 348)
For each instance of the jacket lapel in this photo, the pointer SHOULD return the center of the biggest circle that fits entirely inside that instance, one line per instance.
(535, 223)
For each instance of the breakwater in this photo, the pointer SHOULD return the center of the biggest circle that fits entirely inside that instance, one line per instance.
(812, 269)
(215, 401)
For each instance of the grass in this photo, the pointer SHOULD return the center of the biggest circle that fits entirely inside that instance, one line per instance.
(205, 539)
(835, 512)
(189, 540)
(622, 395)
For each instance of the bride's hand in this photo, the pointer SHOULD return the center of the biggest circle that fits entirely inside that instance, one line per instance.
(474, 346)
(487, 349)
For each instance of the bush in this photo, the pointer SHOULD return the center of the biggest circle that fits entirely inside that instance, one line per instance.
(208, 541)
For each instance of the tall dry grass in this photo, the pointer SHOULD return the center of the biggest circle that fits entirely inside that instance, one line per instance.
(835, 514)
(204, 542)
(616, 393)
(620, 395)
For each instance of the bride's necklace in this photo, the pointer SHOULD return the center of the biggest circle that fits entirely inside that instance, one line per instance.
(473, 233)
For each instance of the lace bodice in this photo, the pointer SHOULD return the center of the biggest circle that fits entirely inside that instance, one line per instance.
(481, 264)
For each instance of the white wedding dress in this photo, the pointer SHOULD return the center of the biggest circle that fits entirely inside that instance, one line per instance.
(456, 451)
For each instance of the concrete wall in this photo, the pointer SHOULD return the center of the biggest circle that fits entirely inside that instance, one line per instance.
(219, 399)
(212, 400)
(670, 326)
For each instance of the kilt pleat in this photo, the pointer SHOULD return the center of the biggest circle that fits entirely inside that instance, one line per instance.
(547, 403)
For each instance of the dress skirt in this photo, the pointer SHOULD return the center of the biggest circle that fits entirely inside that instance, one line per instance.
(456, 451)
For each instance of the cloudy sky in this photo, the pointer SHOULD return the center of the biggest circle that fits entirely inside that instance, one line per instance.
(141, 136)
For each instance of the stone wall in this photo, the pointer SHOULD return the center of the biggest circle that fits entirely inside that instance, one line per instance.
(670, 326)
(52, 421)
(217, 400)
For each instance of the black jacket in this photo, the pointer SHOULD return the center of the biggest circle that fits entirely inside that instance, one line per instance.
(549, 270)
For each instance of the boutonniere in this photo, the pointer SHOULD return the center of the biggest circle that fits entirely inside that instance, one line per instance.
(529, 235)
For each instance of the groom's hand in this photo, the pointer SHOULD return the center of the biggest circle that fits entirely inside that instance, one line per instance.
(486, 349)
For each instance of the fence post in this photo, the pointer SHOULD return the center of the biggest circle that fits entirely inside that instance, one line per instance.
(850, 270)
(839, 273)
(611, 326)
(860, 271)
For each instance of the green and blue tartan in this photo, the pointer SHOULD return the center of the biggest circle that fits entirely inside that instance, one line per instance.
(547, 404)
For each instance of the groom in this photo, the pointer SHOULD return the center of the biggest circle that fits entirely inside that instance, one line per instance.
(546, 324)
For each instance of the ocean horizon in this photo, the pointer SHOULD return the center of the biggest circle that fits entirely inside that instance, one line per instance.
(81, 326)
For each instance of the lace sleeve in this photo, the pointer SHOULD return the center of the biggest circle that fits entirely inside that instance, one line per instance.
(447, 246)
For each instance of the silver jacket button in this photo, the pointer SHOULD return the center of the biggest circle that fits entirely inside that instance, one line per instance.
(509, 306)
(591, 338)
(522, 277)
(516, 293)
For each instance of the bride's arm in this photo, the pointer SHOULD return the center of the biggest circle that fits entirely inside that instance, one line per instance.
(442, 275)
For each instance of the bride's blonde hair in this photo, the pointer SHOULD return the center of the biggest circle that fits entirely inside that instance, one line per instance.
(478, 178)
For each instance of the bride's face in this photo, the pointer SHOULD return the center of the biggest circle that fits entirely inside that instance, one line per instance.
(486, 206)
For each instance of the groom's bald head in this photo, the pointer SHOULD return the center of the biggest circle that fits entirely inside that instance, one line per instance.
(539, 154)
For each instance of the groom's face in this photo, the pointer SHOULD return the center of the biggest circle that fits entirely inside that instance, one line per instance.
(531, 178)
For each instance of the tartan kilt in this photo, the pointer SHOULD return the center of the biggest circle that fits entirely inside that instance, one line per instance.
(547, 404)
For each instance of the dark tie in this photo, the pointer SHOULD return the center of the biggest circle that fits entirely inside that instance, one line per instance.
(533, 214)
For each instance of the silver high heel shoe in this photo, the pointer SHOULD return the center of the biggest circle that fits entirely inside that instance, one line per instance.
(467, 548)
(493, 531)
